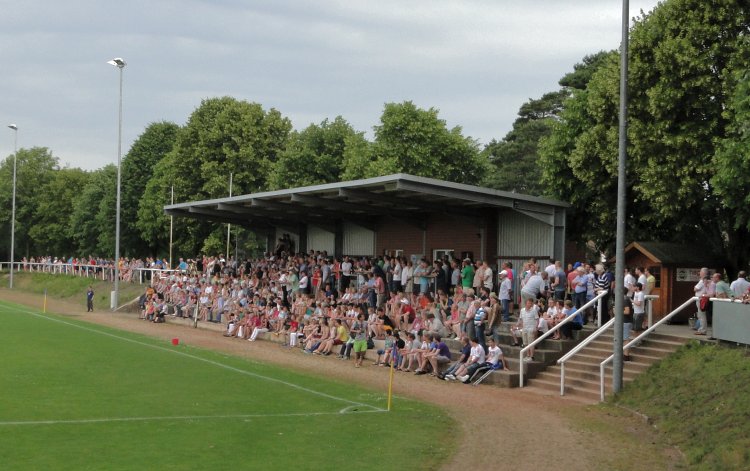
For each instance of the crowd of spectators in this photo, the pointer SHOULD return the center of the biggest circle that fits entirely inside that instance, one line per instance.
(326, 306)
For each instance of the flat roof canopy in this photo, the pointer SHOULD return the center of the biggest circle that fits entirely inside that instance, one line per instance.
(402, 196)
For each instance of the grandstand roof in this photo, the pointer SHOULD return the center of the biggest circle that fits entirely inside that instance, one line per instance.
(402, 195)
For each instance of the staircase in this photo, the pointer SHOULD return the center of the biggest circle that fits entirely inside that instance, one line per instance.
(582, 370)
(546, 354)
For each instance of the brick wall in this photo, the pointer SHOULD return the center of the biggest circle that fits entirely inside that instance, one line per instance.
(443, 232)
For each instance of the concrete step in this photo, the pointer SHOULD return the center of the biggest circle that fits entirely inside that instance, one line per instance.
(570, 373)
(570, 396)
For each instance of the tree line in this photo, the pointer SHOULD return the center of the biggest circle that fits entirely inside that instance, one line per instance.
(688, 153)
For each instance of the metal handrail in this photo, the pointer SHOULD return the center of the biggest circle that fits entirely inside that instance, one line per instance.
(636, 340)
(551, 331)
(577, 349)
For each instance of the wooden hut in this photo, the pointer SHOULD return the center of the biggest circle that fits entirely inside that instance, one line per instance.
(676, 268)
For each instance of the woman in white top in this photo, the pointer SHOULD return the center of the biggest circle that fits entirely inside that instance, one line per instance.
(397, 269)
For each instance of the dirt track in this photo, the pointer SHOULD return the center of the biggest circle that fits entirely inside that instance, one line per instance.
(499, 427)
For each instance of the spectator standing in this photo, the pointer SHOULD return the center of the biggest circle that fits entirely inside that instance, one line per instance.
(359, 331)
(629, 282)
(721, 287)
(455, 276)
(740, 286)
(505, 295)
(534, 286)
(494, 322)
(639, 307)
(559, 281)
(396, 261)
(580, 287)
(604, 281)
(527, 321)
(467, 274)
(487, 279)
(701, 291)
(90, 299)
(480, 321)
(346, 273)
(650, 281)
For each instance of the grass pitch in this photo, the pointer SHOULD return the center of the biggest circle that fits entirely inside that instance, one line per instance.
(80, 396)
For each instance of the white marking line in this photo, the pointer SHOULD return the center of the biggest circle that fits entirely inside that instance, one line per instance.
(194, 357)
(345, 411)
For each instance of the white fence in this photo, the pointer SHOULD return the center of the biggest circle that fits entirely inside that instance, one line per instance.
(97, 272)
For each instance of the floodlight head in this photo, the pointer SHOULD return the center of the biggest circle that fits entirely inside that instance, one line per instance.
(118, 62)
(13, 127)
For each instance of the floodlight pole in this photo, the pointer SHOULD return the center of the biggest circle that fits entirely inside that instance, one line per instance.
(120, 64)
(171, 227)
(617, 364)
(13, 211)
(229, 226)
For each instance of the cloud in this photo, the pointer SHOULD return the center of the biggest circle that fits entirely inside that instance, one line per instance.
(477, 61)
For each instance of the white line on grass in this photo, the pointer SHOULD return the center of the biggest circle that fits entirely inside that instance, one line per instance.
(346, 410)
(194, 357)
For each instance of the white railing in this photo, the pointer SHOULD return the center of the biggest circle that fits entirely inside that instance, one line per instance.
(577, 349)
(638, 339)
(553, 330)
(98, 272)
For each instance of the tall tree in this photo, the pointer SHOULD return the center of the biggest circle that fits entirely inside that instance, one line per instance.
(35, 168)
(91, 223)
(416, 141)
(222, 136)
(314, 155)
(680, 77)
(137, 169)
(731, 179)
(514, 161)
(51, 230)
(152, 223)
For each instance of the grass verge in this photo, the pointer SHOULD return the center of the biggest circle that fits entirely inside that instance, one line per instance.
(699, 397)
(72, 288)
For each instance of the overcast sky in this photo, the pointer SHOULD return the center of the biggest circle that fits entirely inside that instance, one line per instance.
(476, 61)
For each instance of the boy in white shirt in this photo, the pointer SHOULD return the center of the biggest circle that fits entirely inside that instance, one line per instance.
(639, 307)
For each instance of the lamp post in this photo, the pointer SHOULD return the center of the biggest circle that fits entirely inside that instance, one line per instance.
(13, 211)
(617, 364)
(120, 64)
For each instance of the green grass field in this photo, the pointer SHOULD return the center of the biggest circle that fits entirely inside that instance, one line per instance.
(81, 396)
(73, 288)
